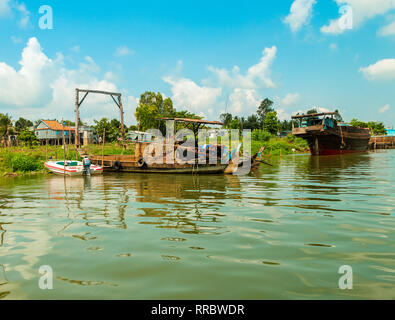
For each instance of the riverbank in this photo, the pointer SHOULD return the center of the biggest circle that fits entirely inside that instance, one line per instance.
(278, 146)
(17, 161)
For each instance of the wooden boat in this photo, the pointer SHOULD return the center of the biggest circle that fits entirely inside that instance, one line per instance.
(72, 168)
(224, 162)
(326, 136)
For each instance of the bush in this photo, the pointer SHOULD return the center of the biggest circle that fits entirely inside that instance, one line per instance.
(260, 135)
(23, 163)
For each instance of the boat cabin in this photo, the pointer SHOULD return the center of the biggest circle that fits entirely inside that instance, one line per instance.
(326, 119)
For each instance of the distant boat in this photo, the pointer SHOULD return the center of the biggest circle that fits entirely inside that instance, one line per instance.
(72, 168)
(326, 136)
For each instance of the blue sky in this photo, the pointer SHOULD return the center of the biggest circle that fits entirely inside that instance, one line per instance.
(209, 56)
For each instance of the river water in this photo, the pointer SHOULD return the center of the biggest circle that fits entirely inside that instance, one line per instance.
(280, 233)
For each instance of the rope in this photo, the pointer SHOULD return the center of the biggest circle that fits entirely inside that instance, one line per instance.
(341, 134)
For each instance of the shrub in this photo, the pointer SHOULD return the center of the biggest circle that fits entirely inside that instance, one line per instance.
(260, 135)
(23, 163)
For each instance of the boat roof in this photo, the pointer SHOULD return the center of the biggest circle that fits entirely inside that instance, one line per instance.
(199, 121)
(314, 115)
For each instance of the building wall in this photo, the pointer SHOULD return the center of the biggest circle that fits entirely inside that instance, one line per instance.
(391, 132)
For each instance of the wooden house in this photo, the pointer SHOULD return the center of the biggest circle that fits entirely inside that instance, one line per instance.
(51, 131)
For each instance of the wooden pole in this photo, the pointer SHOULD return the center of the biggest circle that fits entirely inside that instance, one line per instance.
(77, 119)
(46, 145)
(122, 121)
(102, 150)
(68, 147)
(64, 150)
(56, 149)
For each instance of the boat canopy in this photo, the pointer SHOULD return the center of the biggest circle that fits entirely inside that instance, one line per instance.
(314, 115)
(196, 121)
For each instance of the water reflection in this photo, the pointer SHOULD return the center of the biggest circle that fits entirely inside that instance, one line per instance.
(175, 201)
(187, 203)
(279, 232)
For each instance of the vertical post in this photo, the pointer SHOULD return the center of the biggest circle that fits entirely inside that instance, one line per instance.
(102, 150)
(122, 120)
(46, 145)
(77, 119)
(64, 150)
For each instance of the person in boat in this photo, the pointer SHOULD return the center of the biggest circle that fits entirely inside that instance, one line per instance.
(87, 165)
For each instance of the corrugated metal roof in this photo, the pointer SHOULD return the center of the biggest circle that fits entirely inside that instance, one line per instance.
(54, 125)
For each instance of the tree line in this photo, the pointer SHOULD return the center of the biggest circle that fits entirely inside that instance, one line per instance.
(153, 106)
(264, 119)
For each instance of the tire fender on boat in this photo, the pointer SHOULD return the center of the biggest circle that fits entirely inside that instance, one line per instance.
(117, 165)
(141, 162)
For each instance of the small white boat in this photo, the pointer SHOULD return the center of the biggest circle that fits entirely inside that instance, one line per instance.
(72, 168)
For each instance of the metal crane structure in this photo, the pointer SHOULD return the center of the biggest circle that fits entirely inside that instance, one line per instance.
(78, 104)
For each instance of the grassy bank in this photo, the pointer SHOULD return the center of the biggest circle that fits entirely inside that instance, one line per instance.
(17, 161)
(276, 146)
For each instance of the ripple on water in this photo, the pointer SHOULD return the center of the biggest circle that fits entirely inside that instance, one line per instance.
(282, 232)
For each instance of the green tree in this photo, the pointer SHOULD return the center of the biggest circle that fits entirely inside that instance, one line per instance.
(99, 127)
(235, 124)
(271, 122)
(312, 111)
(226, 119)
(264, 108)
(252, 122)
(23, 124)
(151, 107)
(285, 125)
(376, 128)
(28, 137)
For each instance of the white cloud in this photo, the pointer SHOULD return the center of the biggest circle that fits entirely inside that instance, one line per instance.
(239, 92)
(384, 108)
(257, 75)
(29, 78)
(192, 97)
(282, 114)
(244, 101)
(383, 69)
(45, 88)
(25, 15)
(75, 49)
(388, 30)
(300, 14)
(362, 10)
(321, 109)
(16, 39)
(123, 51)
(290, 99)
(5, 8)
